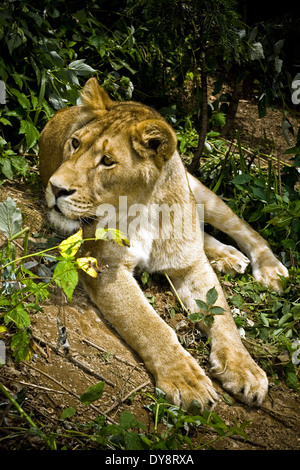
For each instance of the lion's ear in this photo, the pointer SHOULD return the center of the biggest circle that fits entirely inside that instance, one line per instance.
(94, 96)
(154, 138)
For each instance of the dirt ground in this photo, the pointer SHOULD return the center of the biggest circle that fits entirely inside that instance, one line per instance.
(54, 380)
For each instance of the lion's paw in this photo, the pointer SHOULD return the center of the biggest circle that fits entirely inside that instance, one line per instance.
(240, 375)
(185, 383)
(267, 272)
(230, 261)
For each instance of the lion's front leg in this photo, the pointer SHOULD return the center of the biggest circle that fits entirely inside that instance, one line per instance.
(231, 363)
(124, 305)
(266, 268)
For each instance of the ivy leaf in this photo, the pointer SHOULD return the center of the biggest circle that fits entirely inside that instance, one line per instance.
(92, 394)
(10, 218)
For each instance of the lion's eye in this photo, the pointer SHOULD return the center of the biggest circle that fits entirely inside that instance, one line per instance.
(107, 161)
(75, 143)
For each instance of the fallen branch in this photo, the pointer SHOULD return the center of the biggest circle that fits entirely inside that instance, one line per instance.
(78, 363)
(115, 356)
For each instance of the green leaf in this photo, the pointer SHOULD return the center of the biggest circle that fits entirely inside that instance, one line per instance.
(259, 193)
(227, 399)
(211, 296)
(6, 168)
(5, 121)
(208, 320)
(216, 310)
(237, 300)
(284, 318)
(128, 420)
(10, 218)
(30, 131)
(20, 164)
(68, 413)
(291, 375)
(81, 68)
(201, 304)
(22, 99)
(241, 179)
(282, 220)
(69, 247)
(133, 441)
(92, 394)
(14, 41)
(66, 276)
(18, 316)
(196, 317)
(20, 345)
(56, 59)
(292, 150)
(264, 319)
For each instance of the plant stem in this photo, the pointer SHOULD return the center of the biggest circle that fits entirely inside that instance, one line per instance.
(50, 443)
(176, 294)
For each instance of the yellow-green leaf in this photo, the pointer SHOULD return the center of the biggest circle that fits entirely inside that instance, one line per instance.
(69, 247)
(112, 233)
(88, 265)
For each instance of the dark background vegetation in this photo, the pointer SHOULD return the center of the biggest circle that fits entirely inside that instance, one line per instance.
(173, 55)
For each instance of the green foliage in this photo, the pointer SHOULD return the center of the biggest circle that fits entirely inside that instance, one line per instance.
(92, 394)
(254, 192)
(208, 307)
(20, 295)
(19, 283)
(11, 164)
(179, 428)
(46, 54)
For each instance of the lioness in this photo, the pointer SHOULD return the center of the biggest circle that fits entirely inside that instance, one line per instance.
(94, 155)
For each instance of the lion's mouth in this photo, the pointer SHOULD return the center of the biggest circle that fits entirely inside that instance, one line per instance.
(83, 221)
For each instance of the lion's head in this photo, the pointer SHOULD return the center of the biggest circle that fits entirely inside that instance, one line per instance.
(94, 153)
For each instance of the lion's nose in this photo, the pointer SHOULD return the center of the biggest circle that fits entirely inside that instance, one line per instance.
(58, 192)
